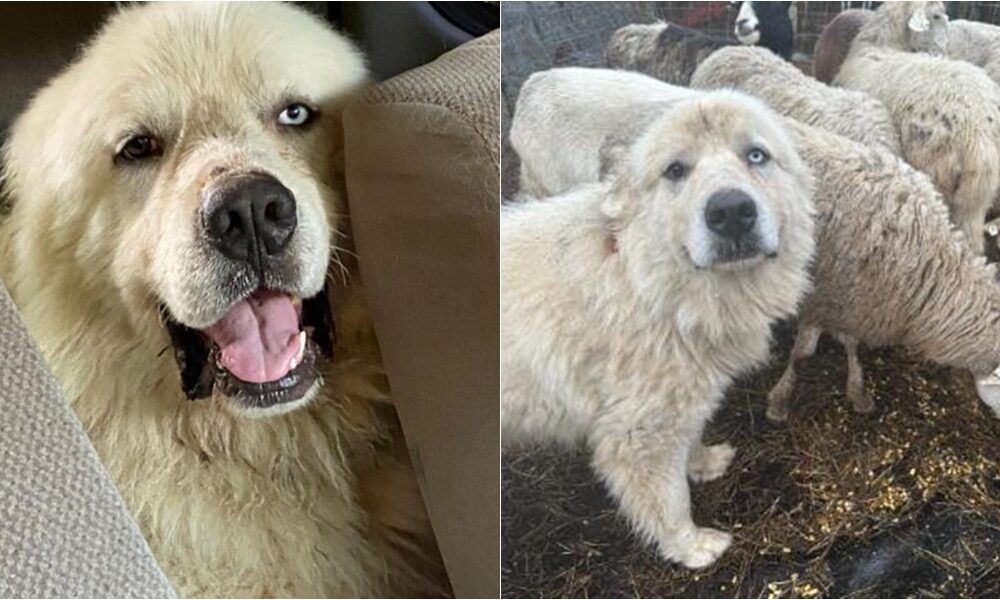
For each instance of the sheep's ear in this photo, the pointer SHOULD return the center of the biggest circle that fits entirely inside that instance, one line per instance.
(612, 157)
(918, 21)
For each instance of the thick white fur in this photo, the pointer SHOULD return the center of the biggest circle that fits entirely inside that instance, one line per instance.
(611, 334)
(230, 506)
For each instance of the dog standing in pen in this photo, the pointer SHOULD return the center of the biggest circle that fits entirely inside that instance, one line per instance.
(627, 307)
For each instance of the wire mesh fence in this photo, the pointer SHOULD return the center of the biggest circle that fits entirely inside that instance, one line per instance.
(809, 18)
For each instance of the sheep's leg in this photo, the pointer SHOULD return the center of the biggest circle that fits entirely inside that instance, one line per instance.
(972, 224)
(861, 401)
(968, 209)
(777, 400)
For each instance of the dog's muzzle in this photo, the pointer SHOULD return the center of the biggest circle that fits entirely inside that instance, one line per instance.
(745, 28)
(731, 217)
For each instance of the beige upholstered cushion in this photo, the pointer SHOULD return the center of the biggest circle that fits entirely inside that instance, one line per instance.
(422, 158)
(64, 531)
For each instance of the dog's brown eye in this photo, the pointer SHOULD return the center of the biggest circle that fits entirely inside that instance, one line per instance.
(676, 171)
(139, 147)
(295, 115)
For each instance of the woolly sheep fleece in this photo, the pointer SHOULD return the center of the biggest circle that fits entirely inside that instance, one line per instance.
(759, 72)
(947, 131)
(305, 504)
(611, 334)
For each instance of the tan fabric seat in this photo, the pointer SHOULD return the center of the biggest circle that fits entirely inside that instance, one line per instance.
(422, 161)
(64, 531)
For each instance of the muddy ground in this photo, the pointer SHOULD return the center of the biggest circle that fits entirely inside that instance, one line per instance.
(901, 502)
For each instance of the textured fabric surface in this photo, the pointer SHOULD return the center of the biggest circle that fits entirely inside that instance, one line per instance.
(64, 531)
(455, 81)
(422, 156)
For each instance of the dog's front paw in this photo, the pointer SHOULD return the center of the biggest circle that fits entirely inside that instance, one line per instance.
(709, 462)
(700, 548)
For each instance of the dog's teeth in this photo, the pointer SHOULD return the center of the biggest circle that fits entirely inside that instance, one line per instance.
(302, 350)
(296, 301)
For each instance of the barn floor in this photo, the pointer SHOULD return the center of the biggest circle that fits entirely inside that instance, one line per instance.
(902, 502)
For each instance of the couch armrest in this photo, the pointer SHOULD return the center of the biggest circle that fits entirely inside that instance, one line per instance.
(422, 167)
(64, 531)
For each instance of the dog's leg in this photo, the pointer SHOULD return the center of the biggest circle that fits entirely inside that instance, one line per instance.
(805, 346)
(706, 463)
(861, 401)
(645, 469)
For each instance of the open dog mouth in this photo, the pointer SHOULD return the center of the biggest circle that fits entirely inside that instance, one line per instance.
(263, 352)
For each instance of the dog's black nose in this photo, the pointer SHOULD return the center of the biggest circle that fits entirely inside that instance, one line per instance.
(730, 213)
(251, 219)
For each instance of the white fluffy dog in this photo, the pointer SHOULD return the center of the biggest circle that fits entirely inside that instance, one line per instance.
(174, 194)
(627, 307)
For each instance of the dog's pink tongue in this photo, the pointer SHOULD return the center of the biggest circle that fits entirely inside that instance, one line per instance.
(258, 337)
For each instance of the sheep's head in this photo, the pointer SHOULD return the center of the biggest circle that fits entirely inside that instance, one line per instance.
(907, 26)
(757, 20)
(926, 27)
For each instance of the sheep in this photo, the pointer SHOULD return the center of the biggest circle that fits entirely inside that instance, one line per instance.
(976, 43)
(891, 272)
(542, 140)
(971, 41)
(674, 51)
(834, 42)
(949, 131)
(788, 91)
(906, 26)
(929, 31)
(890, 268)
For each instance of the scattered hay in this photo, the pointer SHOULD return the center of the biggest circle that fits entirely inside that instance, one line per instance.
(905, 502)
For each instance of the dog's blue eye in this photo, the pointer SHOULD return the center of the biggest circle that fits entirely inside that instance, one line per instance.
(676, 171)
(295, 115)
(756, 156)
